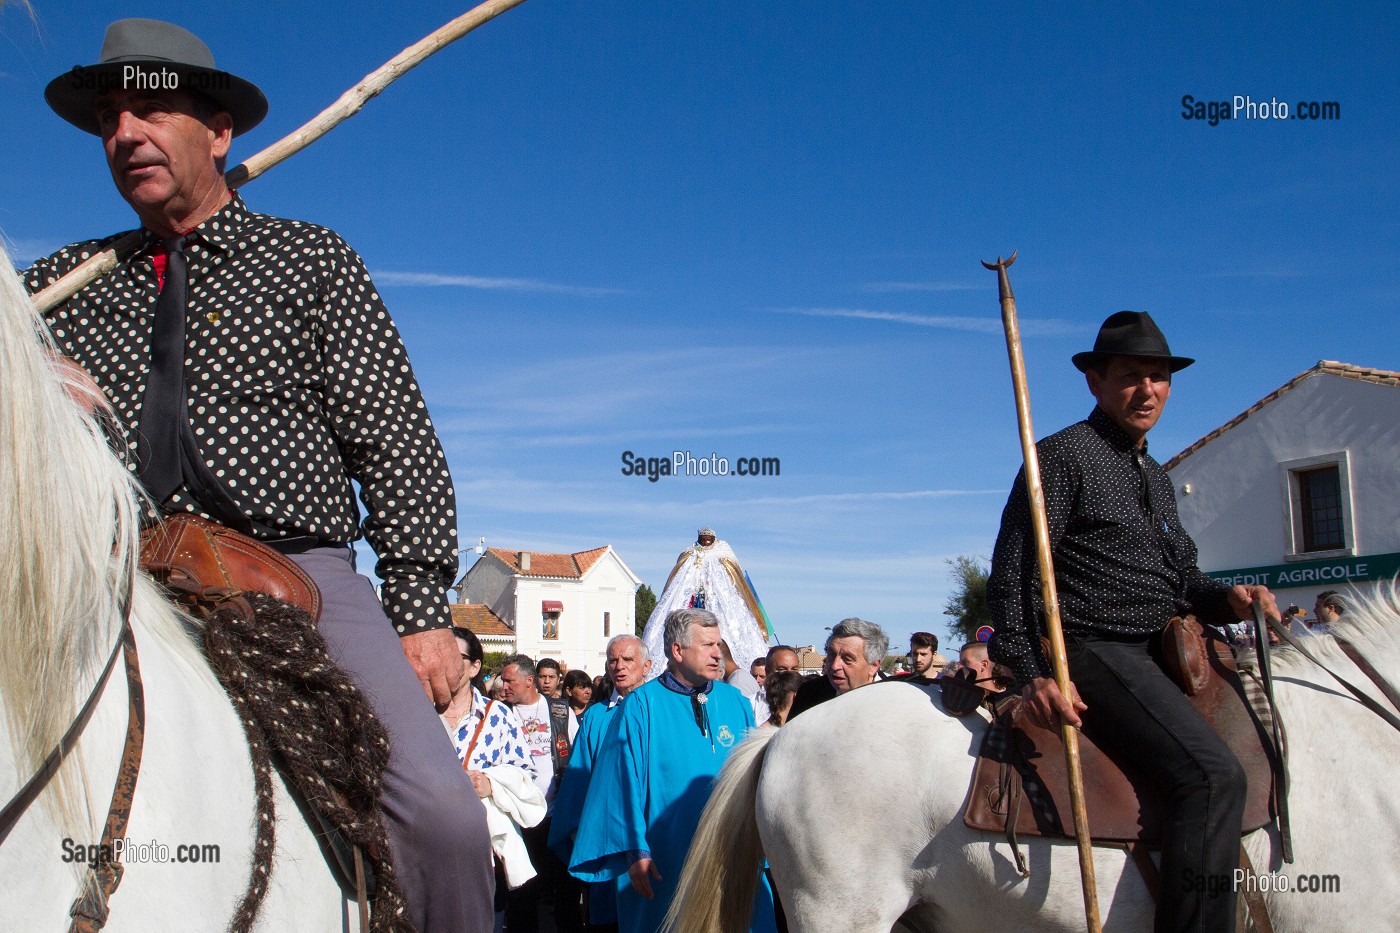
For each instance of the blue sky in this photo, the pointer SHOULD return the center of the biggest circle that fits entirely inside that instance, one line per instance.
(755, 231)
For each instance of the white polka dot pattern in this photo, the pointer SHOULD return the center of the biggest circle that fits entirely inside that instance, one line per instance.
(297, 383)
(1123, 562)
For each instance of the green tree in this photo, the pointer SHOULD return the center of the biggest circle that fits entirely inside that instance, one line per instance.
(967, 607)
(646, 602)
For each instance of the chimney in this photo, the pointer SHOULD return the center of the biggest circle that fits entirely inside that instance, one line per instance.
(524, 561)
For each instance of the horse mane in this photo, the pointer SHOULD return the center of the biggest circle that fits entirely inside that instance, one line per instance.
(71, 519)
(1369, 624)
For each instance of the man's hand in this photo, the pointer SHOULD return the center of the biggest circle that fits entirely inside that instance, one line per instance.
(1242, 601)
(641, 872)
(436, 661)
(1045, 705)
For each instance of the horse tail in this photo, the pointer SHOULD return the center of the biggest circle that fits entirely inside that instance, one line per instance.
(726, 855)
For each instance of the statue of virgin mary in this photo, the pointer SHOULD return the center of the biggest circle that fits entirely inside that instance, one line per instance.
(707, 576)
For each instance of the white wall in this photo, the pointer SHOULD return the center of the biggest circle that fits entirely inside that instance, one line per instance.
(1236, 510)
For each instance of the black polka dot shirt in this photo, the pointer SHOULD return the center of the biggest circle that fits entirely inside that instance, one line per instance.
(1123, 563)
(298, 383)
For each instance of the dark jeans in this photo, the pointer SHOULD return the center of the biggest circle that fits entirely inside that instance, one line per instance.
(522, 904)
(1136, 711)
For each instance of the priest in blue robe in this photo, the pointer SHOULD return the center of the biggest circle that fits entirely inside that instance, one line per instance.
(627, 666)
(654, 775)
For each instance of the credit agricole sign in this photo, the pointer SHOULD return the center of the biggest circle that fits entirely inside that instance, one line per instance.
(1314, 572)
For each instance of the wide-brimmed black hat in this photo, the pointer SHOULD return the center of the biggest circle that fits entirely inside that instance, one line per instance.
(147, 54)
(1130, 333)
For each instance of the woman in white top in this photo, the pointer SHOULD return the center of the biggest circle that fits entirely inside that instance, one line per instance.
(487, 736)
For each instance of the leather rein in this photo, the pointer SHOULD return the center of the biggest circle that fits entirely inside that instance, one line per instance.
(89, 910)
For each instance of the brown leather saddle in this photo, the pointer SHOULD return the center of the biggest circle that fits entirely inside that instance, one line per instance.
(202, 562)
(1020, 786)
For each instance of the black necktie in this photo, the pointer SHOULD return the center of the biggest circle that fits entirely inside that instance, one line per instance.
(163, 406)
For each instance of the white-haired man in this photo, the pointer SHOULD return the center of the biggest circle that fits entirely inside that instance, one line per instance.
(661, 755)
(628, 666)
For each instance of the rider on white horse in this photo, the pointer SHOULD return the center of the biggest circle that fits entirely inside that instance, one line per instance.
(255, 362)
(1124, 565)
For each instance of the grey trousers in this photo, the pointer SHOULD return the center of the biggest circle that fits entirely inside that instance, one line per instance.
(436, 822)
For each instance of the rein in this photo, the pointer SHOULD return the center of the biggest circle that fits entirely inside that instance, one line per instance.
(89, 910)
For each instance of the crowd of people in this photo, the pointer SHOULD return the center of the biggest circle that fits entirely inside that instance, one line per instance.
(576, 783)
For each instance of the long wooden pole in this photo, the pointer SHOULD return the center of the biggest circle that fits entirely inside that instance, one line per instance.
(347, 106)
(1058, 661)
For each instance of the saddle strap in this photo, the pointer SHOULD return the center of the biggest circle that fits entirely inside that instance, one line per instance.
(1366, 668)
(1251, 898)
(1280, 737)
(90, 909)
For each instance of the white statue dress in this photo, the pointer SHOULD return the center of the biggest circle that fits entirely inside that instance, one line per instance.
(710, 578)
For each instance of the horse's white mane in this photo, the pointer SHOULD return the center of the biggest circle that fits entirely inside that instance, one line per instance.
(69, 523)
(1368, 624)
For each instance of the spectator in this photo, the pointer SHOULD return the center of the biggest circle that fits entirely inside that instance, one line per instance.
(1329, 608)
(781, 658)
(758, 670)
(486, 735)
(781, 689)
(549, 727)
(973, 657)
(927, 663)
(854, 651)
(547, 678)
(578, 690)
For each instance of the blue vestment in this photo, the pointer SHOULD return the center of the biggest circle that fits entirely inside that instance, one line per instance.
(650, 783)
(573, 791)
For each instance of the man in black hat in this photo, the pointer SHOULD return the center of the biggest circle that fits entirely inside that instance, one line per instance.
(259, 374)
(1124, 566)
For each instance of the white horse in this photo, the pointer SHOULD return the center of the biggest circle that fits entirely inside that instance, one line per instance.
(68, 527)
(858, 807)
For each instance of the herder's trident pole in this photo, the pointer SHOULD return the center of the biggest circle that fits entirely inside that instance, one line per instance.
(1047, 585)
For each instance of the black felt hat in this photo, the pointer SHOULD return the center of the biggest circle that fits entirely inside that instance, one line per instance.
(148, 54)
(1130, 333)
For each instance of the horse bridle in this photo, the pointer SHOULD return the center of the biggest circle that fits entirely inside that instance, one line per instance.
(89, 911)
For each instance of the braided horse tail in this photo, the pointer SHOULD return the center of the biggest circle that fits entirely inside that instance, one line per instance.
(726, 855)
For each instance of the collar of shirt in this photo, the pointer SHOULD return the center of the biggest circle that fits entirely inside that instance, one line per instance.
(673, 683)
(1116, 437)
(220, 233)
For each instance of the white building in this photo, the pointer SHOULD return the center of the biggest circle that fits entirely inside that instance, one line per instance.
(563, 606)
(1300, 492)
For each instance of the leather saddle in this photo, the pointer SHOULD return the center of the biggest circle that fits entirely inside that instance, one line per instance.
(1021, 778)
(201, 561)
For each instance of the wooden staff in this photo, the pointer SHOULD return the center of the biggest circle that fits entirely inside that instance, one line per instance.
(347, 106)
(1041, 526)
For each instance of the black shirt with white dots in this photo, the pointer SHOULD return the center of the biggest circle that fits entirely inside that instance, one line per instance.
(1124, 565)
(297, 383)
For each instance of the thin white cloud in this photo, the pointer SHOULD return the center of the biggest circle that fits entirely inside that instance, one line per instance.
(977, 325)
(436, 280)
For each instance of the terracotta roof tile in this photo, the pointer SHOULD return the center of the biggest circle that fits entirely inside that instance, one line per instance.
(1328, 367)
(479, 620)
(570, 566)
